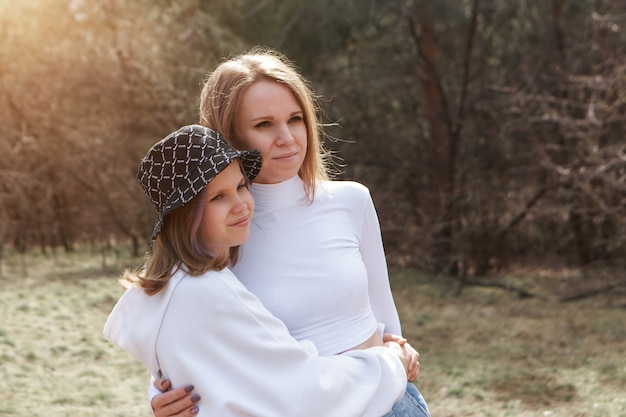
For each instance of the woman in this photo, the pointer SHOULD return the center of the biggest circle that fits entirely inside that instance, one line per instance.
(315, 256)
(239, 356)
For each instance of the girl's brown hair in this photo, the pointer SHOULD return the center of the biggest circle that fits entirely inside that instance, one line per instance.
(178, 245)
(224, 88)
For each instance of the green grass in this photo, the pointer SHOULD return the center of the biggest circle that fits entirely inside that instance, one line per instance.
(484, 353)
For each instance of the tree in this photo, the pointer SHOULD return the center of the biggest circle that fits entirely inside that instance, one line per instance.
(489, 133)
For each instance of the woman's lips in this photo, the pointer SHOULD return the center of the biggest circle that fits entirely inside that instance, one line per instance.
(285, 157)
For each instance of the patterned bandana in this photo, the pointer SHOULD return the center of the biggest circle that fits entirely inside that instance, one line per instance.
(178, 167)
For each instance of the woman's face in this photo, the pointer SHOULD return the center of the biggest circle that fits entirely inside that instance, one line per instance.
(228, 207)
(271, 120)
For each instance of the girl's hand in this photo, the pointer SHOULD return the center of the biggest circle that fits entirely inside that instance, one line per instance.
(179, 402)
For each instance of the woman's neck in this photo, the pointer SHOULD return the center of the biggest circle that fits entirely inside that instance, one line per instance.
(274, 196)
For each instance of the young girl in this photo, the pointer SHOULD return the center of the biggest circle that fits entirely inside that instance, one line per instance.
(187, 316)
(315, 256)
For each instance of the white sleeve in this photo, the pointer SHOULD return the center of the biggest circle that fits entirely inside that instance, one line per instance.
(373, 253)
(152, 391)
(243, 362)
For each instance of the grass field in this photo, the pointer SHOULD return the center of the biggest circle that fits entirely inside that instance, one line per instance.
(484, 353)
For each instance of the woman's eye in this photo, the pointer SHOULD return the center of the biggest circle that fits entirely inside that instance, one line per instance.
(262, 124)
(296, 119)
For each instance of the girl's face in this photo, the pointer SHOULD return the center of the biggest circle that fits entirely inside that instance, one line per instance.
(228, 207)
(271, 120)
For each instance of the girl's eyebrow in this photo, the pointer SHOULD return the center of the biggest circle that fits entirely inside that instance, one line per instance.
(216, 191)
(210, 193)
(209, 196)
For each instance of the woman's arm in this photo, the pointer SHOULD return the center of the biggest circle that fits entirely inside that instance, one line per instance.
(373, 255)
(381, 297)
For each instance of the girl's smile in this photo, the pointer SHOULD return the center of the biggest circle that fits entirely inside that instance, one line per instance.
(228, 207)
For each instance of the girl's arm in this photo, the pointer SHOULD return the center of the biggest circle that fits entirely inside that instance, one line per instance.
(241, 359)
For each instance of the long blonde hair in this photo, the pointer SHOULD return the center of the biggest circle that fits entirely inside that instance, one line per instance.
(178, 245)
(224, 88)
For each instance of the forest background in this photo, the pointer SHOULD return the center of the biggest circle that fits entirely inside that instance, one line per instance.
(491, 133)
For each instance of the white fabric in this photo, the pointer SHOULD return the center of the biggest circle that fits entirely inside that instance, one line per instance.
(241, 359)
(319, 267)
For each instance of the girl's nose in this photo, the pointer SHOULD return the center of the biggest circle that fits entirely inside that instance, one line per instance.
(240, 204)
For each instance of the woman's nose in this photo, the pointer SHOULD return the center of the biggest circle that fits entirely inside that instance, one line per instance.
(284, 135)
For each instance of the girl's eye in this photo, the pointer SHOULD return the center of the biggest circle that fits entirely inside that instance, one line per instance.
(242, 186)
(296, 119)
(262, 124)
(217, 197)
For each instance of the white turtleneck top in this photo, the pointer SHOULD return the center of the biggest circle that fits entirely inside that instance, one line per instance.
(320, 267)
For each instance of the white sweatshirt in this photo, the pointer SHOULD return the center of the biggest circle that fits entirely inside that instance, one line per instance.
(319, 267)
(210, 331)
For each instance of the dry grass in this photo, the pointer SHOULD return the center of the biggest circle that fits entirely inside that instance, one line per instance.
(484, 353)
(490, 353)
(54, 360)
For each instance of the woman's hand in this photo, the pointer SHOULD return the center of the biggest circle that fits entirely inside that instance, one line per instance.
(390, 337)
(408, 356)
(414, 363)
(179, 402)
